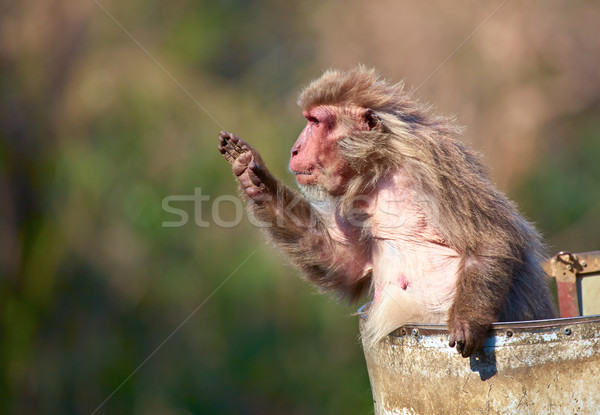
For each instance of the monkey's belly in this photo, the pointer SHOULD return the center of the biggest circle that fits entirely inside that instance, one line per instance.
(426, 272)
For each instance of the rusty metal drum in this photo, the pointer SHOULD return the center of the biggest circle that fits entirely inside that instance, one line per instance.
(537, 367)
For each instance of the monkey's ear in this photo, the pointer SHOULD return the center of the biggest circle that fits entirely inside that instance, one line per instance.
(371, 120)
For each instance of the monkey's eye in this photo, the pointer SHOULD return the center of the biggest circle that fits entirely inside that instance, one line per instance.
(313, 120)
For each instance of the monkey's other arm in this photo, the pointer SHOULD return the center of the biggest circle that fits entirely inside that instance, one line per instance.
(294, 225)
(481, 291)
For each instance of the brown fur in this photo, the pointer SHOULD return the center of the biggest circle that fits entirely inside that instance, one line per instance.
(499, 276)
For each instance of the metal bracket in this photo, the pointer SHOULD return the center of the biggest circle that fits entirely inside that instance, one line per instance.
(566, 267)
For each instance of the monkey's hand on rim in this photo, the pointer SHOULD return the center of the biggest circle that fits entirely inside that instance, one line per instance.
(467, 336)
(248, 167)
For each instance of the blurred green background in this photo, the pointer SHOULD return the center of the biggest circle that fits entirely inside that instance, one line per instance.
(102, 117)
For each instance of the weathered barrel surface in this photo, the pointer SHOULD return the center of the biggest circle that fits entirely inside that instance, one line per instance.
(536, 367)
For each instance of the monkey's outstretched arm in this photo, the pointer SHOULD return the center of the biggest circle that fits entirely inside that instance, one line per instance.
(294, 225)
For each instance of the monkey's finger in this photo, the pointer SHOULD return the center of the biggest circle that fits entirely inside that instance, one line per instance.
(470, 343)
(228, 156)
(237, 143)
(453, 338)
(259, 171)
(240, 148)
(224, 138)
(223, 143)
(458, 340)
(467, 349)
(474, 344)
(230, 143)
(460, 347)
(232, 150)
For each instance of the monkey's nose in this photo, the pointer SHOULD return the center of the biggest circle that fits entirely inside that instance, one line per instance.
(294, 151)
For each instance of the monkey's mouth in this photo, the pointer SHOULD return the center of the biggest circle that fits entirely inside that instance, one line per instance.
(302, 172)
(304, 177)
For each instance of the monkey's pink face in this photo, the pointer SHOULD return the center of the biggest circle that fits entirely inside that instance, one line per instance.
(315, 158)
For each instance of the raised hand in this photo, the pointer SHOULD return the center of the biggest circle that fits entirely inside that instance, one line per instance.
(247, 165)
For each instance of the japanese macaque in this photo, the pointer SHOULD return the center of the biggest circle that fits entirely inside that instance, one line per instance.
(393, 204)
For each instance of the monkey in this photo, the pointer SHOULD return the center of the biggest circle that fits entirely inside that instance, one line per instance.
(393, 204)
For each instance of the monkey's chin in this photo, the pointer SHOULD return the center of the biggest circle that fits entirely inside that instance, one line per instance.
(314, 192)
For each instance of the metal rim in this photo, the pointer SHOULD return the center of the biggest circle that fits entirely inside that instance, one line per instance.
(497, 328)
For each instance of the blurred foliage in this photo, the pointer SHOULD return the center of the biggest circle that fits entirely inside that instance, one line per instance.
(562, 193)
(100, 123)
